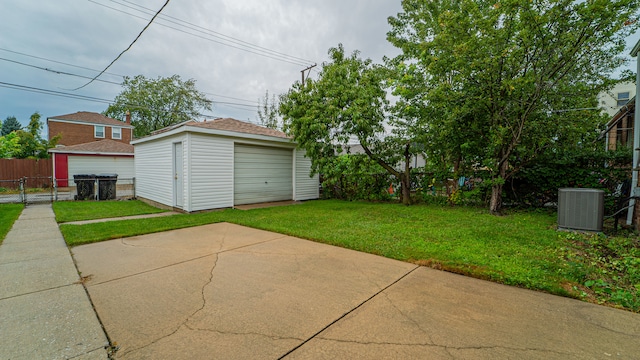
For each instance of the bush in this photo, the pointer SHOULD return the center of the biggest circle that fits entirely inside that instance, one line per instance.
(538, 184)
(355, 177)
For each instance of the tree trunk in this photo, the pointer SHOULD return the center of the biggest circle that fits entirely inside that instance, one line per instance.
(406, 189)
(495, 206)
(496, 199)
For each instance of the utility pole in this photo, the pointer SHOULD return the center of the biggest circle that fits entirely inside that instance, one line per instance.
(307, 69)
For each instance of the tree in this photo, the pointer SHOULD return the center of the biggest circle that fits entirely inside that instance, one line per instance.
(10, 125)
(30, 143)
(268, 111)
(491, 81)
(347, 103)
(9, 146)
(158, 103)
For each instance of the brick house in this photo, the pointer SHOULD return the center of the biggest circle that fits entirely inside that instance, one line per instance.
(90, 143)
(83, 127)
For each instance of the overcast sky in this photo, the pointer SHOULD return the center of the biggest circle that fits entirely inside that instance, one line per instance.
(86, 35)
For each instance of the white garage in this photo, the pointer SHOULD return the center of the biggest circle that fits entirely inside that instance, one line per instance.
(197, 166)
(98, 157)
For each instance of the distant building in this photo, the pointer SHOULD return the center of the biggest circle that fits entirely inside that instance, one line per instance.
(83, 127)
(613, 100)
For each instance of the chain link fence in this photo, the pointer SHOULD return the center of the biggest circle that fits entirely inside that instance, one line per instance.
(30, 190)
(27, 190)
(95, 187)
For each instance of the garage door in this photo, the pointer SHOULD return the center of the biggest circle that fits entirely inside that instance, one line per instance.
(123, 166)
(262, 174)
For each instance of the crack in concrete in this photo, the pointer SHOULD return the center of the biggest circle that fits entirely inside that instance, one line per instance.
(181, 262)
(406, 316)
(445, 347)
(347, 313)
(272, 337)
(188, 318)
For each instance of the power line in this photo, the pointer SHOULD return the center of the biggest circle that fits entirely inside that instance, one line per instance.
(95, 99)
(129, 47)
(250, 48)
(57, 71)
(95, 70)
(218, 34)
(57, 62)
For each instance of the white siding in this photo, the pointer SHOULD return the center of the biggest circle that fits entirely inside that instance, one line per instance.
(154, 170)
(306, 187)
(211, 172)
(121, 165)
(262, 174)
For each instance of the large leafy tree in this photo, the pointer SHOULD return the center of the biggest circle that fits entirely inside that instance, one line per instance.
(9, 125)
(346, 104)
(491, 81)
(158, 103)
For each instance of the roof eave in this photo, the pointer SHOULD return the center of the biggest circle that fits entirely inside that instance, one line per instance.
(201, 130)
(636, 49)
(61, 151)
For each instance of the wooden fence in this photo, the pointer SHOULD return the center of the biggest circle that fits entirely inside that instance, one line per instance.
(38, 171)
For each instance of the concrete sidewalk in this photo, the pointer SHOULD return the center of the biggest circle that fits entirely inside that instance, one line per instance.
(45, 312)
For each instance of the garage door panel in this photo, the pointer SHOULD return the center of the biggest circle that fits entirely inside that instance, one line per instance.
(262, 174)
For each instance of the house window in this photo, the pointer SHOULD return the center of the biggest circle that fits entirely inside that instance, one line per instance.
(116, 133)
(623, 98)
(98, 131)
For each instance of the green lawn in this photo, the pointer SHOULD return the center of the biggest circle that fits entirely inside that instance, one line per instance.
(9, 213)
(88, 210)
(522, 249)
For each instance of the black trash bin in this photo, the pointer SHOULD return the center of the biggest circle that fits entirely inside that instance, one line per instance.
(107, 186)
(84, 186)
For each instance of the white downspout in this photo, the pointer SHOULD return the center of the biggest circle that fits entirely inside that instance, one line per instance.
(636, 138)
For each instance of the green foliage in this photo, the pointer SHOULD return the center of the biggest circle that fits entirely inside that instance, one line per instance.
(9, 146)
(539, 182)
(9, 125)
(495, 84)
(609, 268)
(347, 102)
(9, 213)
(158, 103)
(355, 177)
(27, 143)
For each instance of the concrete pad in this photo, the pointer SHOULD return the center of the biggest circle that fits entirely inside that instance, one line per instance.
(249, 299)
(432, 314)
(115, 259)
(53, 324)
(25, 277)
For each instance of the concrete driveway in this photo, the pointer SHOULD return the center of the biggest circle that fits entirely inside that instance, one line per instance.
(224, 291)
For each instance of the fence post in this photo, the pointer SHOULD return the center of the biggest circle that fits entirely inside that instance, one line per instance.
(55, 188)
(95, 184)
(134, 187)
(23, 196)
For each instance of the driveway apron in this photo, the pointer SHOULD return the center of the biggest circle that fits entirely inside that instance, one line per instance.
(224, 291)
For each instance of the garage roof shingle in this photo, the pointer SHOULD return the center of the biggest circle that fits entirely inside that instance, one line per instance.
(228, 124)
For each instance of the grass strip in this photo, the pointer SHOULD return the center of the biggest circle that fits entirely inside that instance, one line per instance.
(9, 213)
(89, 210)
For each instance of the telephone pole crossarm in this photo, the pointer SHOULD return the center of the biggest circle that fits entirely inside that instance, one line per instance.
(307, 69)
